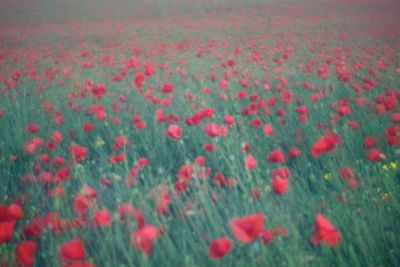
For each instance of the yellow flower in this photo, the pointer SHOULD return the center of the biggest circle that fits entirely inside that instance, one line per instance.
(393, 165)
(328, 176)
(116, 177)
(99, 142)
(385, 196)
(385, 168)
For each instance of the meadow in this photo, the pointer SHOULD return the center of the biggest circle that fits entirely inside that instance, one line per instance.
(199, 133)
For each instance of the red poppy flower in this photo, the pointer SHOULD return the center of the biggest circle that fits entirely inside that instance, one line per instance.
(346, 172)
(139, 80)
(255, 123)
(173, 131)
(392, 135)
(229, 120)
(149, 69)
(144, 238)
(276, 156)
(211, 129)
(279, 185)
(15, 212)
(209, 147)
(102, 218)
(81, 205)
(247, 228)
(163, 203)
(126, 210)
(62, 175)
(32, 128)
(120, 142)
(25, 252)
(80, 264)
(181, 186)
(114, 159)
(395, 117)
(374, 154)
(250, 162)
(6, 231)
(78, 153)
(57, 192)
(267, 129)
(369, 141)
(280, 172)
(324, 144)
(72, 250)
(142, 162)
(267, 236)
(220, 179)
(167, 88)
(218, 248)
(98, 90)
(324, 231)
(223, 84)
(57, 137)
(294, 152)
(140, 125)
(34, 228)
(352, 183)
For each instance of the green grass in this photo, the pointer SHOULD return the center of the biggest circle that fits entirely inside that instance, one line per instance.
(368, 219)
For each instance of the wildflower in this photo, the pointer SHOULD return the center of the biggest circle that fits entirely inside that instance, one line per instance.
(25, 252)
(72, 250)
(247, 228)
(218, 248)
(173, 131)
(144, 238)
(324, 231)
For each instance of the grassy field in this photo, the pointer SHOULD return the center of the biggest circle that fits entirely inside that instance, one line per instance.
(199, 133)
